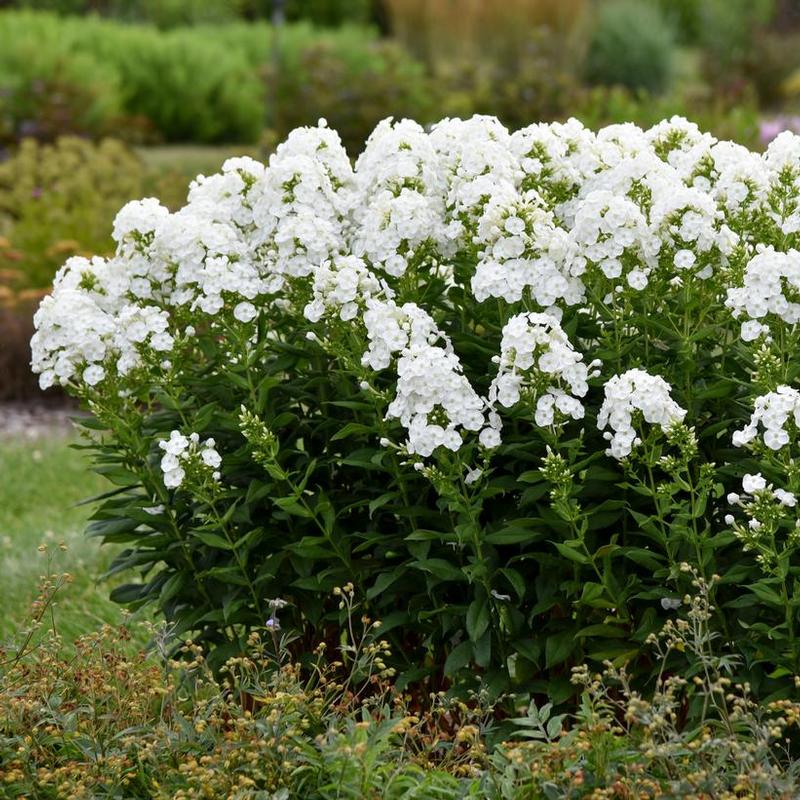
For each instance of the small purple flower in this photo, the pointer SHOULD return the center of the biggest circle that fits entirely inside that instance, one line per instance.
(768, 129)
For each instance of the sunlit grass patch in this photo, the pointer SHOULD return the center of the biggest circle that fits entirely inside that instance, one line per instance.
(43, 480)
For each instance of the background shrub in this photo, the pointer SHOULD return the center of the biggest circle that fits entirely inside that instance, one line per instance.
(352, 94)
(48, 85)
(200, 84)
(728, 29)
(733, 118)
(769, 62)
(190, 86)
(60, 198)
(440, 31)
(169, 729)
(17, 383)
(55, 200)
(174, 13)
(631, 44)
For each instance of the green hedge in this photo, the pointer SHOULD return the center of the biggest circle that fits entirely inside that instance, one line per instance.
(172, 13)
(206, 83)
(226, 83)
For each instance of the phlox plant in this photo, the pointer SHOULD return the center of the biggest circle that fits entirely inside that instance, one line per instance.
(504, 384)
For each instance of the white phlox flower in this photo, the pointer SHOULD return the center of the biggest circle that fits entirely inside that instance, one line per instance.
(771, 289)
(625, 395)
(182, 451)
(537, 358)
(772, 412)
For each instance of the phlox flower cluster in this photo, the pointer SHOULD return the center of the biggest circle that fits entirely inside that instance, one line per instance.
(434, 400)
(771, 287)
(84, 327)
(401, 186)
(765, 509)
(625, 395)
(772, 412)
(537, 357)
(553, 219)
(782, 160)
(611, 231)
(755, 484)
(342, 286)
(522, 248)
(182, 453)
(392, 329)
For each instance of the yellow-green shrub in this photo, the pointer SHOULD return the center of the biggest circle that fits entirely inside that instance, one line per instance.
(58, 199)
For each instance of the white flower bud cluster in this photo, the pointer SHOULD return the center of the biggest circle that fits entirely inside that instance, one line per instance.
(392, 329)
(434, 400)
(753, 484)
(536, 356)
(765, 510)
(771, 286)
(609, 232)
(300, 207)
(401, 189)
(688, 222)
(182, 451)
(477, 161)
(556, 159)
(739, 182)
(771, 411)
(625, 395)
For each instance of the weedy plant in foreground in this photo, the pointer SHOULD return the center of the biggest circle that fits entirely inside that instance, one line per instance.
(623, 743)
(112, 720)
(504, 384)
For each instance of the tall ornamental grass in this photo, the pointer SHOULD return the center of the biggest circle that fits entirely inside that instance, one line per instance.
(505, 384)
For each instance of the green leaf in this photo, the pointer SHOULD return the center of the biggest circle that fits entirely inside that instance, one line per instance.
(349, 429)
(568, 551)
(644, 558)
(213, 540)
(291, 505)
(603, 631)
(483, 650)
(766, 593)
(515, 579)
(439, 568)
(478, 618)
(512, 534)
(458, 658)
(379, 502)
(383, 582)
(558, 648)
(128, 593)
(173, 585)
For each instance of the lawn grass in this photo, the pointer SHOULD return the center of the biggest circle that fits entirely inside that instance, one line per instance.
(191, 160)
(42, 481)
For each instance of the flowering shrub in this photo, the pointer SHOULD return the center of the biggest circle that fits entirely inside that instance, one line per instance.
(505, 384)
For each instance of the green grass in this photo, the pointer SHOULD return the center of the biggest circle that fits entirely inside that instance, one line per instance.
(192, 160)
(43, 480)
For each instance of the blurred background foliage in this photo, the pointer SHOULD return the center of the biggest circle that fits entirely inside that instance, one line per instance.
(105, 100)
